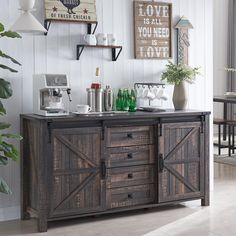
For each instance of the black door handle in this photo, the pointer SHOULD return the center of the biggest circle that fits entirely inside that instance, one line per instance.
(103, 169)
(161, 162)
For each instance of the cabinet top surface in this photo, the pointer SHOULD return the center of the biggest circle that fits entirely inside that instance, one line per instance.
(120, 116)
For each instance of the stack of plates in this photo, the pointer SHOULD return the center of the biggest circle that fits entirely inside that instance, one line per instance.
(230, 94)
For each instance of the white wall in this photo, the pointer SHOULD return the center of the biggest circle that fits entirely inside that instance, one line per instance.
(220, 52)
(56, 54)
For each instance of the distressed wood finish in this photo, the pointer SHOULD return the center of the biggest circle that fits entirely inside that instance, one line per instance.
(128, 176)
(130, 136)
(76, 167)
(130, 196)
(152, 30)
(128, 156)
(77, 185)
(181, 161)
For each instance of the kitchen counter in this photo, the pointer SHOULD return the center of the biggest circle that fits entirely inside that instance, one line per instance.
(129, 115)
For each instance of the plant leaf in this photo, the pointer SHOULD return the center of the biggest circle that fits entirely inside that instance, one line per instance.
(10, 34)
(4, 125)
(2, 109)
(1, 27)
(2, 54)
(4, 188)
(12, 153)
(5, 89)
(8, 68)
(3, 160)
(14, 136)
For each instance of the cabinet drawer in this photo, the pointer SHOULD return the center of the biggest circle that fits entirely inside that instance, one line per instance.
(130, 196)
(130, 136)
(128, 176)
(128, 156)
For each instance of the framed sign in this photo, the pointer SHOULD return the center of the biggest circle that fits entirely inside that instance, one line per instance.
(71, 10)
(152, 30)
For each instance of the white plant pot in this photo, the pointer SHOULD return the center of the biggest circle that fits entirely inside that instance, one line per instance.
(26, 5)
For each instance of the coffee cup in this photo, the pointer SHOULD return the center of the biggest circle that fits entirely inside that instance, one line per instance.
(83, 109)
(111, 39)
(90, 39)
(101, 39)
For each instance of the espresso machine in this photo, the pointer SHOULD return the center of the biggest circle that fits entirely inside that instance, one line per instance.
(51, 95)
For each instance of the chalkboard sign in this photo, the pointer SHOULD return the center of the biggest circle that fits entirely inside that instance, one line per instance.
(153, 30)
(71, 10)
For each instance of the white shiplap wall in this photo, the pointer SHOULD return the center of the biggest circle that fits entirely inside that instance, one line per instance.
(220, 52)
(56, 54)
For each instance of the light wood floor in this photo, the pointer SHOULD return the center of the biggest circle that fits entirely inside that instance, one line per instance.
(182, 220)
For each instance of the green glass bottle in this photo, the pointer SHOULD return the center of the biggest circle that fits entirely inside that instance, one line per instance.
(126, 100)
(132, 101)
(120, 101)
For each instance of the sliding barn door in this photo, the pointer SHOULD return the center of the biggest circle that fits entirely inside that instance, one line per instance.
(77, 185)
(181, 161)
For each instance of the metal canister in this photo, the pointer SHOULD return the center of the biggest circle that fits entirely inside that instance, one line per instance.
(108, 99)
(91, 99)
(99, 100)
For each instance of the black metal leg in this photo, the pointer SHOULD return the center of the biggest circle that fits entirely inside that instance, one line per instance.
(219, 139)
(229, 141)
(233, 139)
(225, 118)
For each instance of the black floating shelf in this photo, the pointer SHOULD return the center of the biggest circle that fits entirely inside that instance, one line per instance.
(47, 24)
(114, 53)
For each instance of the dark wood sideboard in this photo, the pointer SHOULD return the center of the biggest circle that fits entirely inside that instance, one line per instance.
(80, 166)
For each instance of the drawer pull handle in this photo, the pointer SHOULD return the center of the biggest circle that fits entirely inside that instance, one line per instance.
(130, 176)
(130, 156)
(130, 135)
(130, 196)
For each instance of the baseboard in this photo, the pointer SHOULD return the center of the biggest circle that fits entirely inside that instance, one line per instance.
(10, 213)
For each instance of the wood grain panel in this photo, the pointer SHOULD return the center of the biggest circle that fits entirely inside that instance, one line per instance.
(183, 154)
(127, 156)
(130, 136)
(128, 176)
(130, 196)
(77, 184)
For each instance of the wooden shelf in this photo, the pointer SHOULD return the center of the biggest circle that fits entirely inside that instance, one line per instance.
(47, 24)
(114, 54)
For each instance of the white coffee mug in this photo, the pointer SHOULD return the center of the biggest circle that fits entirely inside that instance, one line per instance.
(90, 39)
(111, 39)
(83, 109)
(101, 39)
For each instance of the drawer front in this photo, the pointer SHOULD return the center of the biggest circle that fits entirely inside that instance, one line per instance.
(130, 196)
(128, 156)
(130, 136)
(129, 176)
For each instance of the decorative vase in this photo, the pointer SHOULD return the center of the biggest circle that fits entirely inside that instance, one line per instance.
(180, 96)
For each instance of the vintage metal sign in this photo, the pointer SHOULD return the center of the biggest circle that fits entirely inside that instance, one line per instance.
(71, 10)
(153, 30)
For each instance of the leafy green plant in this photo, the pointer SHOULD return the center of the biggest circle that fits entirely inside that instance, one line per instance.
(7, 150)
(175, 74)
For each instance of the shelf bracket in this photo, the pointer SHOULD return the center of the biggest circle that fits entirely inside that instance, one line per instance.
(47, 24)
(89, 28)
(80, 49)
(114, 56)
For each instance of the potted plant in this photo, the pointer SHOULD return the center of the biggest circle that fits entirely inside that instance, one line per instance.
(178, 75)
(7, 149)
